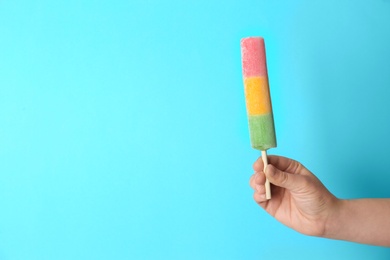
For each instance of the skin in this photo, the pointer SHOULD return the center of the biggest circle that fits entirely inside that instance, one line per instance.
(301, 202)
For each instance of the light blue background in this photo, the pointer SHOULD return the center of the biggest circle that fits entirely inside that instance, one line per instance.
(123, 131)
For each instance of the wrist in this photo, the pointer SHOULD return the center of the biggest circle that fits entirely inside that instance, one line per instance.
(334, 221)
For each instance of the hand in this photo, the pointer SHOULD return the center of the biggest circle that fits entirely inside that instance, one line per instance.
(299, 200)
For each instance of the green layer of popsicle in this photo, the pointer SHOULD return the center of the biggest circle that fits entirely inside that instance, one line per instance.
(262, 131)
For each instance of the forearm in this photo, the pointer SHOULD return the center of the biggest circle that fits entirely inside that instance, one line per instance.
(364, 221)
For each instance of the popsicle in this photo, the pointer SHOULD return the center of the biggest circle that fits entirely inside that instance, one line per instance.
(258, 99)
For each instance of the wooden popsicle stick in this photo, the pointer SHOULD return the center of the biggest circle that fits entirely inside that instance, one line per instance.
(267, 183)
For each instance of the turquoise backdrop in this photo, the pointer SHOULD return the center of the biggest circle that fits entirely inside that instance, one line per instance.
(123, 130)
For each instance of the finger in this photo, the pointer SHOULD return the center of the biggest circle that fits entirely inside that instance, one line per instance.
(284, 179)
(259, 197)
(260, 189)
(283, 164)
(252, 181)
(258, 165)
(258, 178)
(279, 162)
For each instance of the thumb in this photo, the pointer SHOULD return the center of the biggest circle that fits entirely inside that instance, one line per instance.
(282, 179)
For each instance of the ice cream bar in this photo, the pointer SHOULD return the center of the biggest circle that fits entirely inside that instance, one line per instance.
(257, 95)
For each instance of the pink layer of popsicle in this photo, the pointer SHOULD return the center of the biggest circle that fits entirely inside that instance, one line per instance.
(253, 57)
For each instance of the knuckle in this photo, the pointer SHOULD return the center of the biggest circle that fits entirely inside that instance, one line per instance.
(294, 167)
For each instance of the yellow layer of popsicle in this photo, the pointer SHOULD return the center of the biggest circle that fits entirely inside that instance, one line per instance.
(257, 96)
